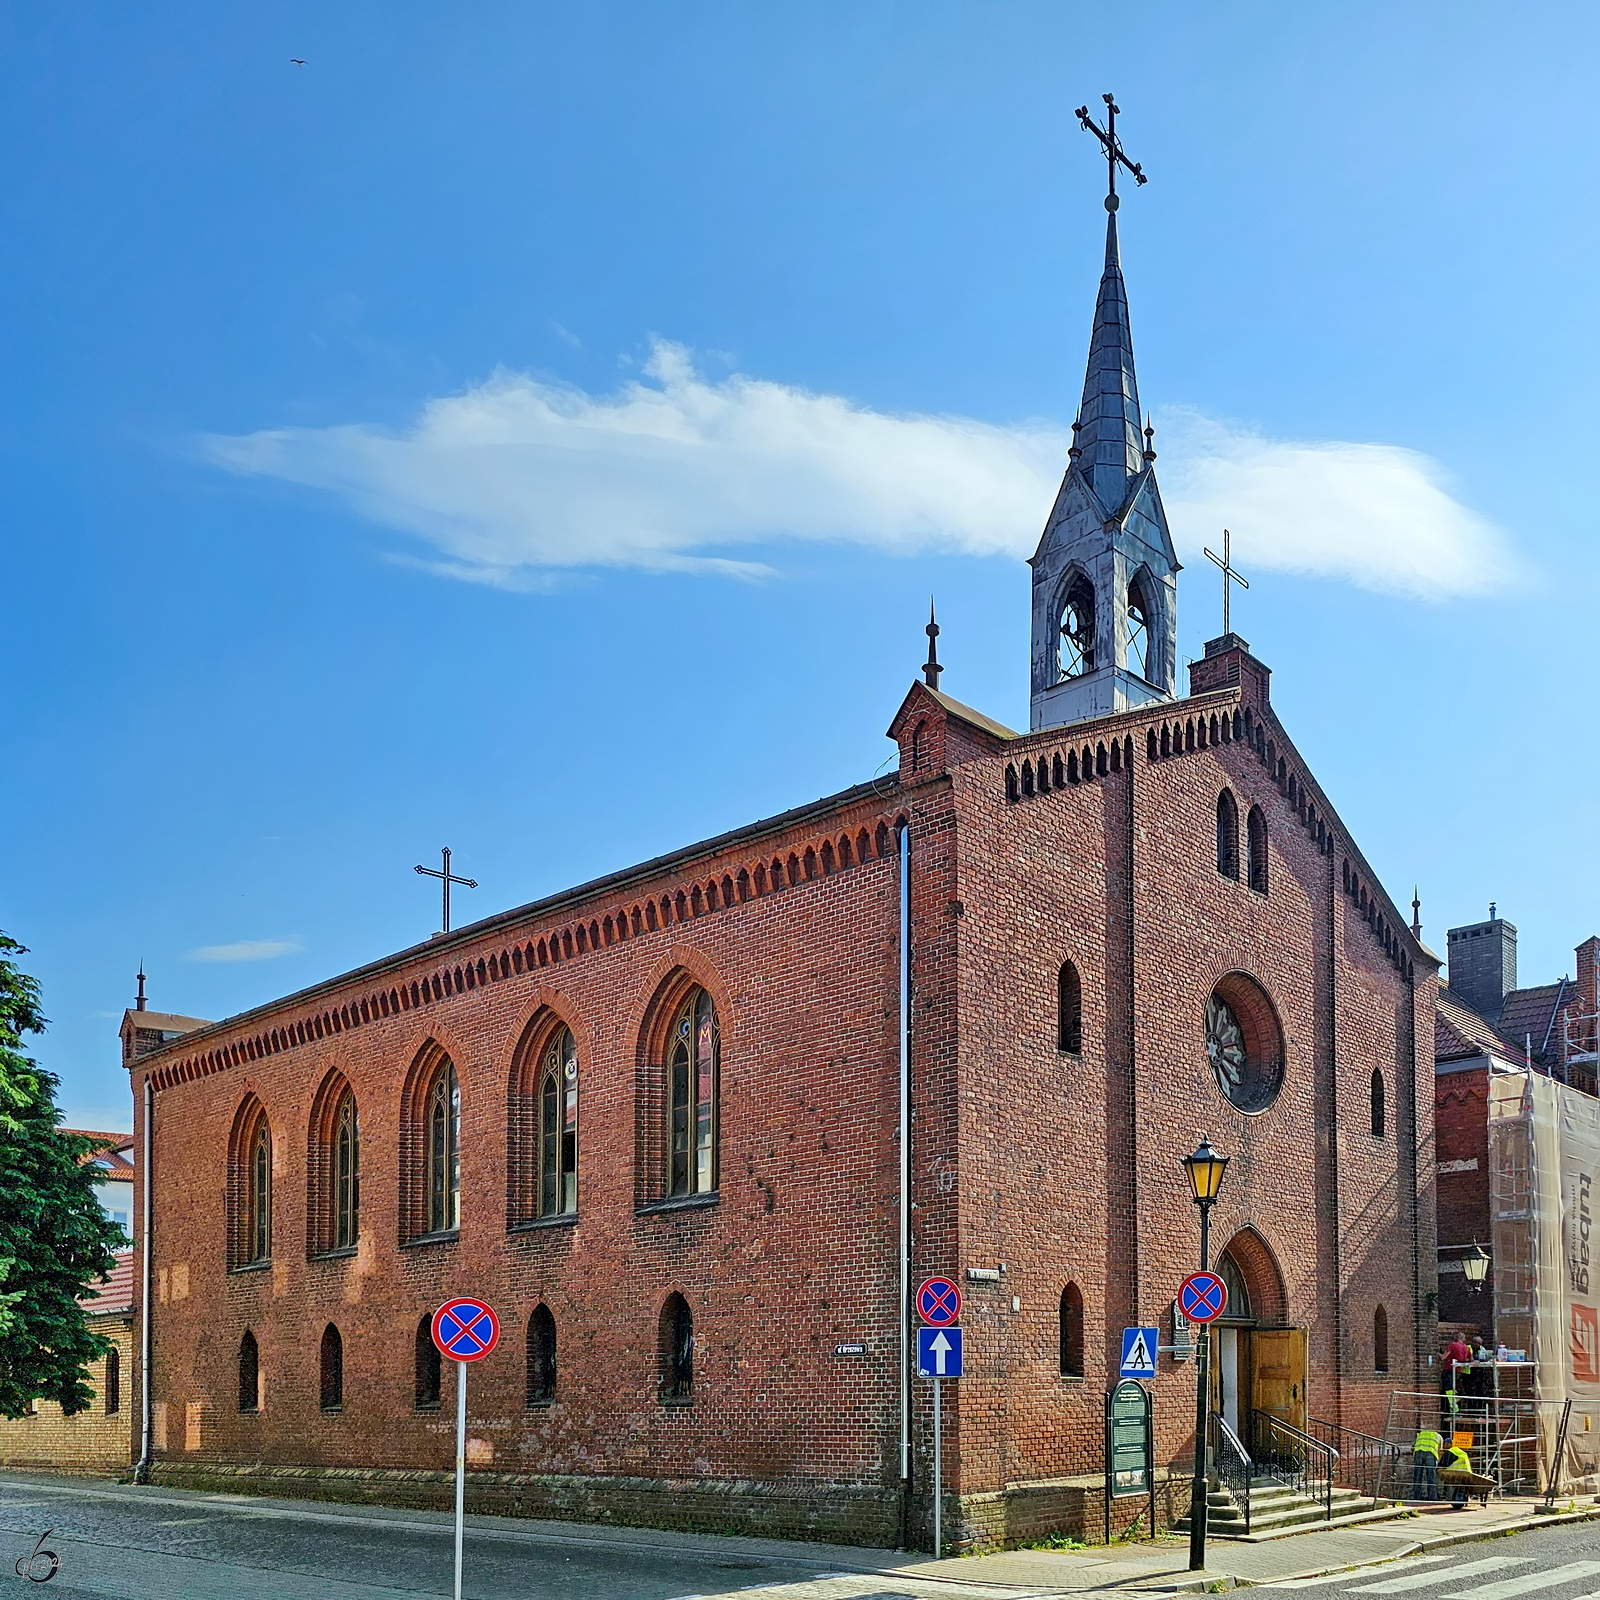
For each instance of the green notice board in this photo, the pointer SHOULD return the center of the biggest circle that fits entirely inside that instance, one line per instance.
(1130, 1465)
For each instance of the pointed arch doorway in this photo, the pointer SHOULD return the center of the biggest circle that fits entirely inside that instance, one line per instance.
(1259, 1362)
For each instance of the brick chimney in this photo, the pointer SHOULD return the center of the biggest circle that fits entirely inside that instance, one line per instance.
(1227, 663)
(1483, 964)
(1586, 1001)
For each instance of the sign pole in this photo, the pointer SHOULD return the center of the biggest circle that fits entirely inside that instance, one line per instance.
(938, 1474)
(461, 1463)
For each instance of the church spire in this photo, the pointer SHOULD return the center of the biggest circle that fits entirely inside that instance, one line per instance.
(931, 668)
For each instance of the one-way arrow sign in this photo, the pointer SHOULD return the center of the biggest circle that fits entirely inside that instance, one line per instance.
(939, 1353)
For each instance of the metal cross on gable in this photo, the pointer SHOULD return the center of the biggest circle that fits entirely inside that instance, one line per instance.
(1229, 575)
(1115, 155)
(446, 879)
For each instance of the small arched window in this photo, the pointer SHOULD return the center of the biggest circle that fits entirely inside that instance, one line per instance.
(693, 1074)
(1257, 831)
(258, 1205)
(1380, 1340)
(429, 1368)
(113, 1381)
(676, 1339)
(443, 1131)
(1069, 1010)
(1379, 1106)
(1137, 631)
(541, 1357)
(558, 1126)
(1072, 1331)
(916, 748)
(346, 1175)
(249, 1373)
(332, 1363)
(1075, 652)
(1227, 835)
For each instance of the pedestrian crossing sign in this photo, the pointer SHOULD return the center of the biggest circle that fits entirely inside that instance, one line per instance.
(1138, 1353)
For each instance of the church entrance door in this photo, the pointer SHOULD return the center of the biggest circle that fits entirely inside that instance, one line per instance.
(1278, 1375)
(1230, 1388)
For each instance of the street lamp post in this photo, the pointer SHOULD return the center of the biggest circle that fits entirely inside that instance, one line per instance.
(1475, 1267)
(1204, 1170)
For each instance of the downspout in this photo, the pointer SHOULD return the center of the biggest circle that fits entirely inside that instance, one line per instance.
(141, 1472)
(904, 843)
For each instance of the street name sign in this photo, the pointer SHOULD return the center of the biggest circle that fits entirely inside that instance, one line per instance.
(1203, 1297)
(1138, 1353)
(939, 1302)
(939, 1353)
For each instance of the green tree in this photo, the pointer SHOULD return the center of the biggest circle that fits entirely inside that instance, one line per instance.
(54, 1238)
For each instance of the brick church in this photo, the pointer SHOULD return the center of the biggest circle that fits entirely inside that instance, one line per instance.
(696, 1129)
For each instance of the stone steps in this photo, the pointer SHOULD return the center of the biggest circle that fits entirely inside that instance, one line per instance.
(1277, 1510)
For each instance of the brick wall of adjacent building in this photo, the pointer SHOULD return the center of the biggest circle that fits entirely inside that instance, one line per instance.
(92, 1441)
(1040, 1167)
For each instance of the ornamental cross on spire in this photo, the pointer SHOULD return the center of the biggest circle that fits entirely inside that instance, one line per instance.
(1115, 155)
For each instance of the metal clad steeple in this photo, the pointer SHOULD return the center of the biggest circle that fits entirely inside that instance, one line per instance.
(1109, 418)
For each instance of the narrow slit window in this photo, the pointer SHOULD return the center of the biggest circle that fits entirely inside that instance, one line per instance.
(1227, 835)
(346, 1175)
(1069, 1010)
(1257, 832)
(1380, 1106)
(1380, 1340)
(677, 1350)
(113, 1395)
(249, 1373)
(332, 1365)
(429, 1370)
(541, 1357)
(1072, 1332)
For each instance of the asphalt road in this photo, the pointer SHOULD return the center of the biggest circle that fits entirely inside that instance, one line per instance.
(1561, 1563)
(167, 1544)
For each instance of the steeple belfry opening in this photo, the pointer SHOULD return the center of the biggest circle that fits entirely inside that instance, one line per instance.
(1105, 589)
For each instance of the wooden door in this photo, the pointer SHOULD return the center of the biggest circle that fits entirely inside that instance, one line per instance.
(1278, 1373)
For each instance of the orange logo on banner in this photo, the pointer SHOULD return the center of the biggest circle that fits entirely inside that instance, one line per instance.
(1586, 1343)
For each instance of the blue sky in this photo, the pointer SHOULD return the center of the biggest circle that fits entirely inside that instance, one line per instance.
(538, 428)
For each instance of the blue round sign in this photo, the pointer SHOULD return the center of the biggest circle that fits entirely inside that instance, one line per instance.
(939, 1303)
(465, 1329)
(1202, 1297)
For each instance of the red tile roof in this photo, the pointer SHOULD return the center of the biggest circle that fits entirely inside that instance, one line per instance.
(1458, 1032)
(1529, 1011)
(116, 1295)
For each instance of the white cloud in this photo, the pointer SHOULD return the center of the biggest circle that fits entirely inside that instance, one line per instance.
(519, 478)
(245, 950)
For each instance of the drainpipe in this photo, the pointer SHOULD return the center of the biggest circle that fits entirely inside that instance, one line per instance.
(141, 1472)
(904, 842)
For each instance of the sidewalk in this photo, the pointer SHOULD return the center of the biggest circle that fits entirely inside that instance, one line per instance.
(1162, 1566)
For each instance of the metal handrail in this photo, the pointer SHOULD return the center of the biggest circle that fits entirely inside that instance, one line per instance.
(1366, 1460)
(1231, 1464)
(1282, 1445)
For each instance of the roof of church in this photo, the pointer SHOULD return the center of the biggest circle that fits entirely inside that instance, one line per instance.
(976, 718)
(164, 1021)
(1108, 419)
(1459, 1032)
(1532, 1011)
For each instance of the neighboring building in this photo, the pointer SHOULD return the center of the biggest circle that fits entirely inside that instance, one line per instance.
(654, 1119)
(114, 1176)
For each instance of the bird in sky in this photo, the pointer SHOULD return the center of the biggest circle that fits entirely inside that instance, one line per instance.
(295, 61)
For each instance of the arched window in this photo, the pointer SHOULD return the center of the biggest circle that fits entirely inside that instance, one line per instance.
(676, 1339)
(443, 1132)
(1238, 1306)
(1072, 1331)
(332, 1369)
(258, 1203)
(113, 1381)
(558, 1126)
(249, 1373)
(1379, 1106)
(693, 1070)
(1257, 830)
(346, 1175)
(1380, 1340)
(429, 1367)
(1075, 653)
(541, 1357)
(1227, 835)
(1069, 1010)
(1137, 631)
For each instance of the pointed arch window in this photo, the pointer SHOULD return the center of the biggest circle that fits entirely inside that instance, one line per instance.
(1136, 632)
(1227, 835)
(258, 1193)
(332, 1369)
(428, 1368)
(558, 1126)
(442, 1127)
(676, 1338)
(693, 1080)
(541, 1357)
(1256, 831)
(113, 1383)
(1380, 1340)
(1072, 1331)
(249, 1373)
(1380, 1105)
(1069, 1010)
(1075, 651)
(346, 1174)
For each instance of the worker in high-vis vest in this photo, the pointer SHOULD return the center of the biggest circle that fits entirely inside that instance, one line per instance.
(1425, 1465)
(1455, 1472)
